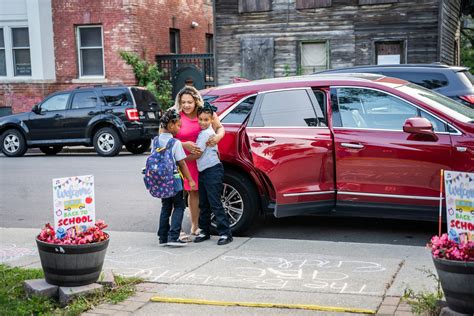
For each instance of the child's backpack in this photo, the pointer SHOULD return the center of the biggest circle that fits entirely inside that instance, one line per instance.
(160, 169)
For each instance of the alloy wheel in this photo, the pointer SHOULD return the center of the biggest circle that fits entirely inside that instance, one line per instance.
(11, 143)
(232, 203)
(106, 142)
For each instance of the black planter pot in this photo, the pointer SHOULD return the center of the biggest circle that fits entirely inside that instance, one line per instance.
(72, 265)
(457, 281)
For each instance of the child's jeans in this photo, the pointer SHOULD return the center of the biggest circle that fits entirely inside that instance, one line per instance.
(210, 191)
(174, 207)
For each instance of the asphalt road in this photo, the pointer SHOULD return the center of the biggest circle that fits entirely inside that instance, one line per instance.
(26, 200)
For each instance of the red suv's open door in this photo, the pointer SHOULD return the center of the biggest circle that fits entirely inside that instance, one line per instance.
(292, 146)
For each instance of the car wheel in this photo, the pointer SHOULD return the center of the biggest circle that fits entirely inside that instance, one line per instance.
(51, 150)
(13, 143)
(107, 142)
(240, 202)
(138, 147)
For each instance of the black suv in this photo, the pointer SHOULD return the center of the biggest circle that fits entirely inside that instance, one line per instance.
(452, 81)
(103, 117)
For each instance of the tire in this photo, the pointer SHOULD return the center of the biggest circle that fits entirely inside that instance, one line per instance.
(107, 142)
(13, 143)
(239, 187)
(138, 147)
(51, 150)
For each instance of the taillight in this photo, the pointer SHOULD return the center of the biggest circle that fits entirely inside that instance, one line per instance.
(132, 114)
(468, 98)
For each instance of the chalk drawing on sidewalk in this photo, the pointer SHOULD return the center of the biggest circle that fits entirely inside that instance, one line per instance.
(295, 272)
(11, 252)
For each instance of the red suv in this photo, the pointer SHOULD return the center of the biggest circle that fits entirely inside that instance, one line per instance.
(364, 145)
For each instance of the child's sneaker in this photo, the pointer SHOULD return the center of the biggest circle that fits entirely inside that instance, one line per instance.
(224, 240)
(163, 243)
(177, 243)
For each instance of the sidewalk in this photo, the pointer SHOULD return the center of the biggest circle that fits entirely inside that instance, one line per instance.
(330, 277)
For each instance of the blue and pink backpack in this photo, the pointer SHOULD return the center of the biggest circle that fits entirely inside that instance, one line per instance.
(160, 170)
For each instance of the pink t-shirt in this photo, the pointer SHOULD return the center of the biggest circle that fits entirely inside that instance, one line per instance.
(189, 131)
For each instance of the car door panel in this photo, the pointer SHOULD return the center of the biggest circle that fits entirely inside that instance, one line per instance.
(298, 160)
(85, 106)
(387, 165)
(48, 124)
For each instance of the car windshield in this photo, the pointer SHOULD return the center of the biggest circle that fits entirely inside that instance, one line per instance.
(454, 109)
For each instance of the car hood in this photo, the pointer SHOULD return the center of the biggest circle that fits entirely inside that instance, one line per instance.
(15, 117)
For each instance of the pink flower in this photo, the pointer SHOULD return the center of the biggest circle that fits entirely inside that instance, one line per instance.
(444, 248)
(73, 237)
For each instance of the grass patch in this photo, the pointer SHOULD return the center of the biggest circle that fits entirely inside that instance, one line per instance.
(13, 300)
(424, 302)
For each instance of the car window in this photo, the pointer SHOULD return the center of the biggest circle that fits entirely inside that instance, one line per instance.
(321, 107)
(466, 75)
(286, 108)
(116, 97)
(429, 80)
(143, 97)
(367, 108)
(55, 103)
(86, 99)
(240, 112)
(438, 126)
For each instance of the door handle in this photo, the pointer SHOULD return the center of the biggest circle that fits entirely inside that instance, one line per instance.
(92, 113)
(354, 146)
(264, 139)
(57, 116)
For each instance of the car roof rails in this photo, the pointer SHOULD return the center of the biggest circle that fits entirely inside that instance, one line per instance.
(101, 86)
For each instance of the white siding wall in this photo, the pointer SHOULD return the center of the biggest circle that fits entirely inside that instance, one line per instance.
(37, 16)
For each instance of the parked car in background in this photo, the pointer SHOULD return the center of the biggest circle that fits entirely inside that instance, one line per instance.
(452, 81)
(106, 117)
(359, 145)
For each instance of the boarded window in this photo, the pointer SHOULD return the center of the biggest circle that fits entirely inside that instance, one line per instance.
(361, 2)
(311, 4)
(389, 53)
(257, 58)
(314, 57)
(254, 5)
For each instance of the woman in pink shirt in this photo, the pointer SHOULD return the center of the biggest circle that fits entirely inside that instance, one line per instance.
(187, 102)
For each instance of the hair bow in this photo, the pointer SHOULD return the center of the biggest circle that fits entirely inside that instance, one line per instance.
(209, 107)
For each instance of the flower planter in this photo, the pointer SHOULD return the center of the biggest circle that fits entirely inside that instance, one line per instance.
(457, 281)
(72, 265)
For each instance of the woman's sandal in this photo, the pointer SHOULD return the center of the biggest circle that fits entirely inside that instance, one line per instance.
(185, 237)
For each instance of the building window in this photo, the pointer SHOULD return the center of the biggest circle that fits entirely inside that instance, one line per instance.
(175, 47)
(3, 63)
(362, 2)
(21, 51)
(254, 5)
(91, 51)
(313, 57)
(312, 4)
(209, 43)
(389, 53)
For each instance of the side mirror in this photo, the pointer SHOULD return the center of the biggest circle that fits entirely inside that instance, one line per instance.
(36, 109)
(419, 126)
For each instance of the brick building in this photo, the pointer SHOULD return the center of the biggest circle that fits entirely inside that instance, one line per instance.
(50, 45)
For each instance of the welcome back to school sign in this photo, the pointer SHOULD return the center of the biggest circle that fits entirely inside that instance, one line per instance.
(74, 202)
(460, 205)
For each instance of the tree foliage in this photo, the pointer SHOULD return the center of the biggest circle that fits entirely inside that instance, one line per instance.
(467, 47)
(149, 76)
